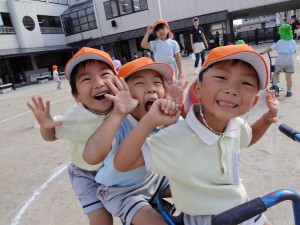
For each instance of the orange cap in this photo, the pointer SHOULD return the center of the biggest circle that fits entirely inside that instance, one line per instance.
(87, 53)
(242, 52)
(145, 63)
(54, 67)
(161, 21)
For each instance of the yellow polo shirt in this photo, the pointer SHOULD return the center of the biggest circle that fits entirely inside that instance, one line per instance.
(202, 167)
(78, 125)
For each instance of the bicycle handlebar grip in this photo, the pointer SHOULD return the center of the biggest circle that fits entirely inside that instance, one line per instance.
(240, 213)
(288, 131)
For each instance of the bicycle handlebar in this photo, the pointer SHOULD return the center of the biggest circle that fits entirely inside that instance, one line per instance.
(257, 206)
(290, 132)
(240, 213)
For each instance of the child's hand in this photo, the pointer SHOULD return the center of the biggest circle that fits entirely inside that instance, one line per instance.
(123, 102)
(41, 113)
(175, 92)
(273, 105)
(150, 29)
(163, 112)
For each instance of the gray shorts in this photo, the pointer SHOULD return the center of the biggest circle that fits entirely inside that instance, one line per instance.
(124, 202)
(284, 63)
(85, 188)
(206, 220)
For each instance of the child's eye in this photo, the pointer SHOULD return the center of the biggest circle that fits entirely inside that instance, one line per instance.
(220, 77)
(139, 83)
(85, 79)
(248, 83)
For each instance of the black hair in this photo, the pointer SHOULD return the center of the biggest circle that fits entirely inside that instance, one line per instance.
(160, 26)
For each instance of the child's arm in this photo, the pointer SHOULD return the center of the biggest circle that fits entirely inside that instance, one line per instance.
(42, 115)
(266, 51)
(145, 44)
(129, 156)
(263, 123)
(99, 144)
(178, 62)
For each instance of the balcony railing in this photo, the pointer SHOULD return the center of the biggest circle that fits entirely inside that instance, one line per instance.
(7, 30)
(52, 30)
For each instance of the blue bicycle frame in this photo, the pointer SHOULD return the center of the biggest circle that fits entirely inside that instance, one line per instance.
(257, 206)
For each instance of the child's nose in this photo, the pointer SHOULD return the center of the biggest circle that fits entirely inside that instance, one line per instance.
(98, 82)
(231, 89)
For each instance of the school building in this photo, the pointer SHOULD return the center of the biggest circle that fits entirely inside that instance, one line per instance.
(35, 34)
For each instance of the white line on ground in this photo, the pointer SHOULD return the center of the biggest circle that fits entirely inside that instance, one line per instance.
(2, 121)
(35, 193)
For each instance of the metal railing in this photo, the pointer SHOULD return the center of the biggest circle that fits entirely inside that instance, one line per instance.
(52, 30)
(7, 30)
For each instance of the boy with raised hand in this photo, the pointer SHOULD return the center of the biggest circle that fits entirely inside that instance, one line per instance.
(200, 155)
(87, 71)
(128, 195)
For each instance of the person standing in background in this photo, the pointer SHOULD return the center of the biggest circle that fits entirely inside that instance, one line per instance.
(56, 76)
(198, 40)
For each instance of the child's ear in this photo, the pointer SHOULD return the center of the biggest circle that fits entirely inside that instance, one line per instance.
(197, 89)
(255, 101)
(77, 97)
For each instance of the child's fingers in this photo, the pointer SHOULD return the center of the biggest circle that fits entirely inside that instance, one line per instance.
(112, 86)
(35, 102)
(47, 109)
(41, 104)
(30, 107)
(124, 84)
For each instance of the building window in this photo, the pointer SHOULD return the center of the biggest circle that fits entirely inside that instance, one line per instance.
(80, 20)
(116, 8)
(50, 24)
(28, 23)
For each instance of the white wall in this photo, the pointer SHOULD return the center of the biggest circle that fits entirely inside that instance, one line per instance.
(189, 8)
(8, 41)
(34, 38)
(54, 39)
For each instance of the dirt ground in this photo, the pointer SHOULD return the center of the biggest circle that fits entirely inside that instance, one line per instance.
(34, 185)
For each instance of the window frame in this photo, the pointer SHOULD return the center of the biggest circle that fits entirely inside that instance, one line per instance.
(112, 7)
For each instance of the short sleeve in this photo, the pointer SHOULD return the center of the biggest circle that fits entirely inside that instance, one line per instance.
(245, 134)
(152, 46)
(165, 157)
(176, 47)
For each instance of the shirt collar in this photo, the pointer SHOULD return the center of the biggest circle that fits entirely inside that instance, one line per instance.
(206, 135)
(88, 113)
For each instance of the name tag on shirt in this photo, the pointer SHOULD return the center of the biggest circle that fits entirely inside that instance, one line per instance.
(236, 168)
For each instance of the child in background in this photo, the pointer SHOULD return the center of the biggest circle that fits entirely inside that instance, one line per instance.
(87, 71)
(164, 48)
(200, 155)
(129, 195)
(285, 47)
(56, 76)
(117, 64)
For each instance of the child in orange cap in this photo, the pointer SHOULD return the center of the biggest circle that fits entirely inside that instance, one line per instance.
(129, 195)
(164, 48)
(87, 71)
(200, 155)
(56, 76)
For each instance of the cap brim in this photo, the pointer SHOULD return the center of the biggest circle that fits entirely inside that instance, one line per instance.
(254, 59)
(163, 69)
(80, 58)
